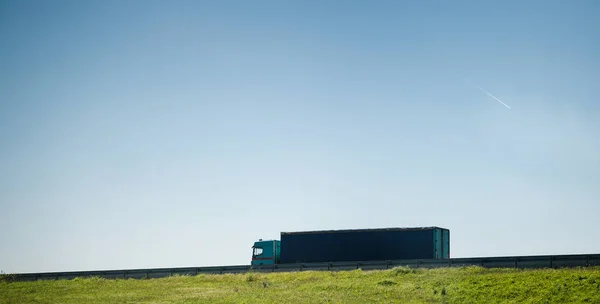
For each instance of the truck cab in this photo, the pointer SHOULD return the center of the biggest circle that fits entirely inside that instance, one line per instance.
(266, 252)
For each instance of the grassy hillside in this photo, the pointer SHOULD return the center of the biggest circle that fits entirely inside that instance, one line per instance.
(399, 285)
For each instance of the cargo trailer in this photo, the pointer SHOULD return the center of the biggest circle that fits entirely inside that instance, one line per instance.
(354, 245)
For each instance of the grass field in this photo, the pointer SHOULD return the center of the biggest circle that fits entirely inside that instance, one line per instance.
(399, 285)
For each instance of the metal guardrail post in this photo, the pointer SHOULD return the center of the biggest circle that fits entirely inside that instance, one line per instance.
(587, 261)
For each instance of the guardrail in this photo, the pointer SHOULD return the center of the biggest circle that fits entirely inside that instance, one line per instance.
(550, 261)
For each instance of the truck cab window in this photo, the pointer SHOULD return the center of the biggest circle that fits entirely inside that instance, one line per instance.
(257, 251)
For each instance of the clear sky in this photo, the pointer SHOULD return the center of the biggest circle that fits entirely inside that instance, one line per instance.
(137, 134)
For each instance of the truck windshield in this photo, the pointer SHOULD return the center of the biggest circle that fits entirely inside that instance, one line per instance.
(257, 251)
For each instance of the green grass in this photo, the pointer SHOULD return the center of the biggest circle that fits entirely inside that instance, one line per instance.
(399, 285)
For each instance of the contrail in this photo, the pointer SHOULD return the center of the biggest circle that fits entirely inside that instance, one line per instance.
(486, 92)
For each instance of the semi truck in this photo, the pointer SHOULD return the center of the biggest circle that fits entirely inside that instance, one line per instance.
(352, 245)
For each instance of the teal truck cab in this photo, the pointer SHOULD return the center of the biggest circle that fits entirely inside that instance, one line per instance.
(266, 252)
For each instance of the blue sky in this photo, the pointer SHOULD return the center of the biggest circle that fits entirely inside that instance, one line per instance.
(162, 134)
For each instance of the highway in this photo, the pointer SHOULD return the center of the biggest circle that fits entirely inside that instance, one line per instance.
(521, 262)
